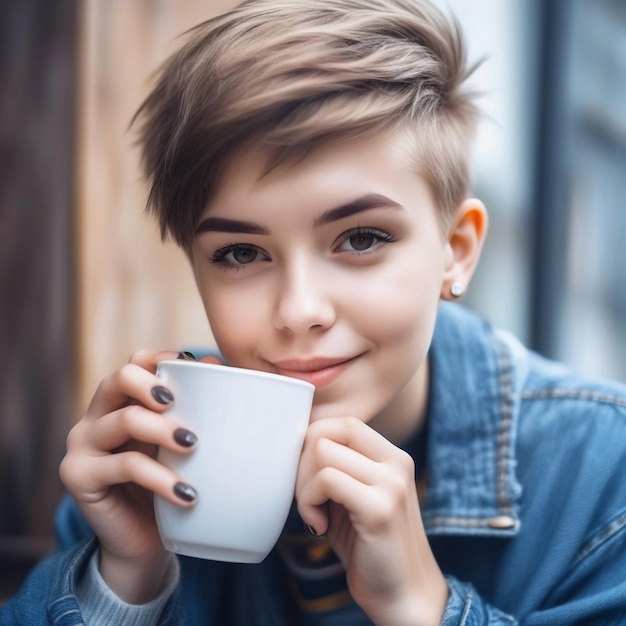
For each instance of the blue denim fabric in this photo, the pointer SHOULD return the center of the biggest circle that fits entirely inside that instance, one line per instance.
(525, 508)
(48, 596)
(528, 491)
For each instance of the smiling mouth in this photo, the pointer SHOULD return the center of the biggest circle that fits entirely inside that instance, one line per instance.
(319, 372)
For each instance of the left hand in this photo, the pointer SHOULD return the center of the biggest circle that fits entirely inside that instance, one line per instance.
(359, 488)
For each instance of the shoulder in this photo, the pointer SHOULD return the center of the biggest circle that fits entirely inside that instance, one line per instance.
(552, 412)
(555, 403)
(555, 387)
(571, 442)
(555, 398)
(570, 439)
(570, 452)
(522, 382)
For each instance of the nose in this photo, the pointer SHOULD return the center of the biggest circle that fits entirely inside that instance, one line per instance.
(304, 301)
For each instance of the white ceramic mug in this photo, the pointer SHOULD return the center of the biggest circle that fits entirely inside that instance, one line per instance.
(251, 427)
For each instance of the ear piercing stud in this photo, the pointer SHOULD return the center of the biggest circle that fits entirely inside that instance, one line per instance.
(457, 289)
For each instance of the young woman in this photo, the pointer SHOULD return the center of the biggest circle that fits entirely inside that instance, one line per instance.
(310, 158)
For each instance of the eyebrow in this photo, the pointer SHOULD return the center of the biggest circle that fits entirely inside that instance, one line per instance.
(364, 203)
(226, 225)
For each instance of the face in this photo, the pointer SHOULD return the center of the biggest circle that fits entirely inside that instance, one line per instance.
(329, 270)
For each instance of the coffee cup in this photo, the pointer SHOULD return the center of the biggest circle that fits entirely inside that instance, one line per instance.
(251, 427)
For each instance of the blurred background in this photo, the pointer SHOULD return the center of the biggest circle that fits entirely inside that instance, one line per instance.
(85, 280)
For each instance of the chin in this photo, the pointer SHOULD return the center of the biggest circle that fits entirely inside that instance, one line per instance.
(323, 410)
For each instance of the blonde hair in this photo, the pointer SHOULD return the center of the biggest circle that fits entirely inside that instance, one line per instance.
(289, 74)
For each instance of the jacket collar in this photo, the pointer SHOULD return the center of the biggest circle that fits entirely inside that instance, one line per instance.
(473, 412)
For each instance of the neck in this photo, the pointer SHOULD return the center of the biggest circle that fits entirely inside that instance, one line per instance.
(406, 413)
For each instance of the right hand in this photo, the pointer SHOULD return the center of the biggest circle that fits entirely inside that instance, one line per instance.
(111, 471)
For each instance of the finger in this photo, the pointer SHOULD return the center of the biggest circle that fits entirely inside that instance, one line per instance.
(135, 467)
(353, 433)
(328, 453)
(330, 484)
(131, 381)
(357, 436)
(149, 359)
(138, 423)
(350, 433)
(371, 508)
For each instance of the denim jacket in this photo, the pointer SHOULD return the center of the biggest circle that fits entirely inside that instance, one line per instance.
(525, 507)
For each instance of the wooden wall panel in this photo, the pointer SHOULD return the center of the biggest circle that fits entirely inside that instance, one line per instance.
(37, 115)
(133, 291)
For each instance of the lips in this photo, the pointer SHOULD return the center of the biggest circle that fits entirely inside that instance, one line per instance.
(318, 371)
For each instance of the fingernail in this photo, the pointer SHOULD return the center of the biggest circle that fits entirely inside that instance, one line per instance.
(185, 492)
(162, 395)
(311, 530)
(186, 355)
(184, 437)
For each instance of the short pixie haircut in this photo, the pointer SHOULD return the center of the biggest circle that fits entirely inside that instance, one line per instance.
(289, 74)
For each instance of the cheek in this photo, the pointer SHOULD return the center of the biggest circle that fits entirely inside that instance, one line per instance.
(236, 321)
(400, 321)
(398, 305)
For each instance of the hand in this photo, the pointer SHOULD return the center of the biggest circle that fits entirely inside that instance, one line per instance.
(111, 470)
(360, 488)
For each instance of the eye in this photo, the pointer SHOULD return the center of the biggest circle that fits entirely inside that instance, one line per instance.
(238, 255)
(363, 240)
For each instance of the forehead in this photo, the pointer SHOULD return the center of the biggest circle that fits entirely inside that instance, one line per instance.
(335, 167)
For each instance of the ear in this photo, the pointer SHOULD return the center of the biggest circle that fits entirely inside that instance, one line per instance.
(465, 238)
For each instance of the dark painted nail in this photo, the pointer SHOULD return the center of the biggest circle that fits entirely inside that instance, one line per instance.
(162, 395)
(311, 530)
(184, 437)
(185, 492)
(186, 355)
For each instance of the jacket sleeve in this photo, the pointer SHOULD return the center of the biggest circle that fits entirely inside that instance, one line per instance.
(69, 525)
(466, 608)
(48, 596)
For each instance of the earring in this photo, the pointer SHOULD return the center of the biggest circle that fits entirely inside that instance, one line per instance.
(457, 289)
